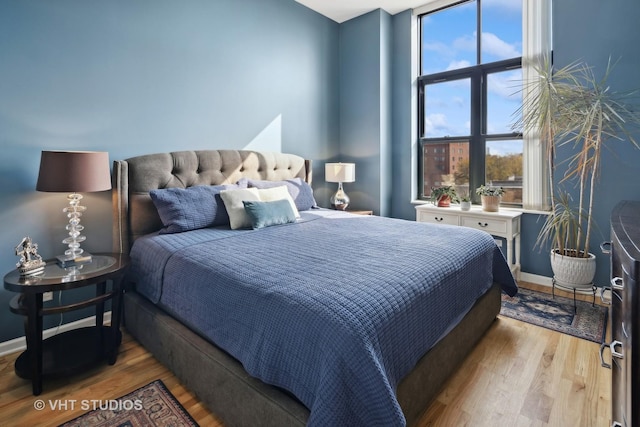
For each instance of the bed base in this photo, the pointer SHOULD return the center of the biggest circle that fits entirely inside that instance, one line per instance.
(238, 399)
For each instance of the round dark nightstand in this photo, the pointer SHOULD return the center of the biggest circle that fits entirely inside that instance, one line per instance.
(79, 349)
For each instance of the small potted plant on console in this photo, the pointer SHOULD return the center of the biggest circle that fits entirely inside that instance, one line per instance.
(490, 197)
(443, 196)
(465, 203)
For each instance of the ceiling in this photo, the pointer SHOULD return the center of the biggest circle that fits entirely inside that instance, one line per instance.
(343, 10)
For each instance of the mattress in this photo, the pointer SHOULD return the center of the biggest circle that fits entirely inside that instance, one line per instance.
(336, 308)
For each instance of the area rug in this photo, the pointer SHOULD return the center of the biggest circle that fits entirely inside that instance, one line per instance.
(541, 309)
(151, 405)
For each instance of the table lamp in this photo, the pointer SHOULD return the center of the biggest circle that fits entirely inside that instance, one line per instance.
(74, 172)
(340, 172)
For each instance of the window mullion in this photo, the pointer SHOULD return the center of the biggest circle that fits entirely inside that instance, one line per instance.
(478, 32)
(476, 142)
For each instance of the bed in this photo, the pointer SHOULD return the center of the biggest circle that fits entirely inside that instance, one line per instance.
(333, 319)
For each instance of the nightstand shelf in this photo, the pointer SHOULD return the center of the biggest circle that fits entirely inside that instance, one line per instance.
(89, 346)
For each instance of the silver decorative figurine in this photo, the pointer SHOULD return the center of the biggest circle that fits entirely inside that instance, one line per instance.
(31, 262)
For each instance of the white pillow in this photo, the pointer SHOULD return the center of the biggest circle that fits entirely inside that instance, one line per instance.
(235, 208)
(278, 193)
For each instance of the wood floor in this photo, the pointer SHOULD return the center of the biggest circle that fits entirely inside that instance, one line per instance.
(518, 375)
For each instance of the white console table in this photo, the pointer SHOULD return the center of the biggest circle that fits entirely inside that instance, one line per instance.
(505, 223)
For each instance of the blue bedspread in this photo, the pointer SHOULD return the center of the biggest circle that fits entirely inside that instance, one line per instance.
(335, 310)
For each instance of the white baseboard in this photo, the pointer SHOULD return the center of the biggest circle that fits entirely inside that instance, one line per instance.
(536, 279)
(19, 344)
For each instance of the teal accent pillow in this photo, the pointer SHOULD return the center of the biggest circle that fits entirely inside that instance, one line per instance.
(265, 214)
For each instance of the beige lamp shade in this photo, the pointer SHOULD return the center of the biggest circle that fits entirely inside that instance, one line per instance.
(340, 172)
(74, 171)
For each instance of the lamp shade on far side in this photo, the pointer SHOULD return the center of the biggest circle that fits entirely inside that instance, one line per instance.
(340, 172)
(74, 171)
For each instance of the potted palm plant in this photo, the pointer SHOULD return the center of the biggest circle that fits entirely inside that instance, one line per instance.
(443, 196)
(571, 108)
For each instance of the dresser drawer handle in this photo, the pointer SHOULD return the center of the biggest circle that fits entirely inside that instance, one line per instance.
(602, 297)
(617, 284)
(483, 225)
(439, 219)
(602, 362)
(605, 247)
(614, 353)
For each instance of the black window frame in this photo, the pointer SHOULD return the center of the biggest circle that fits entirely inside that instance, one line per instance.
(477, 140)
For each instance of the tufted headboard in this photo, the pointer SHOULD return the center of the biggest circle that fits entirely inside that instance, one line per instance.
(134, 214)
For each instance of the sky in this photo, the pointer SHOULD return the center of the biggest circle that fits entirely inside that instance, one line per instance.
(449, 42)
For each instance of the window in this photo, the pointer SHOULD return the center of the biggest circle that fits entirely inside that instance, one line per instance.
(471, 64)
(469, 88)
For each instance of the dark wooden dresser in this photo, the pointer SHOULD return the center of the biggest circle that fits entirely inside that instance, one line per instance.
(625, 314)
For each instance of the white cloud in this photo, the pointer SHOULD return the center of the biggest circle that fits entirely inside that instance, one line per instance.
(438, 47)
(456, 65)
(436, 124)
(466, 43)
(505, 85)
(491, 44)
(494, 45)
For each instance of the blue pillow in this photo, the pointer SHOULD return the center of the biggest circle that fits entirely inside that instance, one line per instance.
(301, 192)
(191, 208)
(265, 214)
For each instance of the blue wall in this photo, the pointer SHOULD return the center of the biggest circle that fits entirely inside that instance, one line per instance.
(404, 101)
(607, 29)
(365, 109)
(144, 76)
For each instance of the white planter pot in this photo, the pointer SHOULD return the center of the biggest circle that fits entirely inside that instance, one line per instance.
(465, 206)
(573, 272)
(490, 203)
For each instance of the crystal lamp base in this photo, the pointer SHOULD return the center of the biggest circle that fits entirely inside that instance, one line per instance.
(340, 200)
